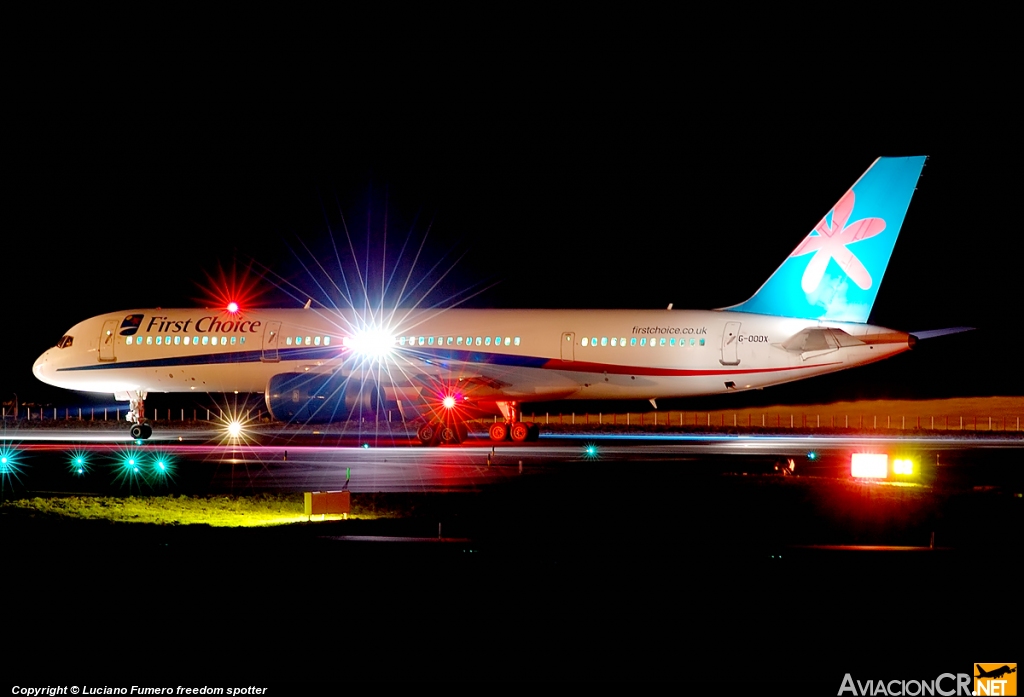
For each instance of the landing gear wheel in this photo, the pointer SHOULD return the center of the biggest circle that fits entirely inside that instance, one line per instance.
(498, 431)
(519, 432)
(426, 433)
(449, 435)
(141, 431)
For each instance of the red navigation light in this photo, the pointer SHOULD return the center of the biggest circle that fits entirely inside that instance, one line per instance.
(232, 307)
(869, 465)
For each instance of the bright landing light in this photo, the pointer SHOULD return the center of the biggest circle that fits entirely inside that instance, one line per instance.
(372, 343)
(870, 465)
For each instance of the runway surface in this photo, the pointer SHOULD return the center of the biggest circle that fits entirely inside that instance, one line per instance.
(205, 462)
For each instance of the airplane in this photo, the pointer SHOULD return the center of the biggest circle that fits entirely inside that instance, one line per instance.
(994, 673)
(440, 365)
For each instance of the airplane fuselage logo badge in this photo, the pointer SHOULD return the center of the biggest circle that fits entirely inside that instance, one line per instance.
(831, 241)
(995, 679)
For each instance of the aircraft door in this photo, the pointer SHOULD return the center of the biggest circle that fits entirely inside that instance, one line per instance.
(568, 346)
(108, 338)
(270, 340)
(730, 342)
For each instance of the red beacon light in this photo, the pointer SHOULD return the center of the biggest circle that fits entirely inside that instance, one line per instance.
(448, 402)
(232, 307)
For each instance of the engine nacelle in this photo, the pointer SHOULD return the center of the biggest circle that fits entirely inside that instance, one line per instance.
(318, 398)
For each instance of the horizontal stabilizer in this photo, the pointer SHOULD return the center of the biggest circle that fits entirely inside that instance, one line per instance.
(932, 333)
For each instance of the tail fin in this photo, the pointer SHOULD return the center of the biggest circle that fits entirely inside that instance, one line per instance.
(835, 272)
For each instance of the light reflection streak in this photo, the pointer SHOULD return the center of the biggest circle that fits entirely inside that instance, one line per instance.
(370, 298)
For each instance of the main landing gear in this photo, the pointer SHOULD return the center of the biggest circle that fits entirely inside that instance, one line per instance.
(512, 428)
(437, 433)
(515, 431)
(139, 430)
(450, 430)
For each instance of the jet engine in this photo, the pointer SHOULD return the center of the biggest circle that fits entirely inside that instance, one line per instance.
(321, 398)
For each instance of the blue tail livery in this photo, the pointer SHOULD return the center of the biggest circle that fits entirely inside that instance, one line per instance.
(834, 273)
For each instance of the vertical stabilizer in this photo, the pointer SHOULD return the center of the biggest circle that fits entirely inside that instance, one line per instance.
(834, 273)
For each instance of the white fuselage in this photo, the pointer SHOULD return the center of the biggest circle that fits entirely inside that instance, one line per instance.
(511, 355)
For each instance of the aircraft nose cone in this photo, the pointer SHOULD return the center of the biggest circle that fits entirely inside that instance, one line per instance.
(41, 366)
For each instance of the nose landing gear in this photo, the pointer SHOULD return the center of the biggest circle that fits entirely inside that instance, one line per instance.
(139, 430)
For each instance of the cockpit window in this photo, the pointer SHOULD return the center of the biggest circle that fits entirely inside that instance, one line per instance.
(65, 341)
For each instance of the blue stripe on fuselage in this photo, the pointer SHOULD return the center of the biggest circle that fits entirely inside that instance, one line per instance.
(312, 353)
(299, 354)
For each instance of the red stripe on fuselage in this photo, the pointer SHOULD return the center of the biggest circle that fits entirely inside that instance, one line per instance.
(582, 367)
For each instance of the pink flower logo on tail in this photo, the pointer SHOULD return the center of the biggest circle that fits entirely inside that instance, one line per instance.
(831, 243)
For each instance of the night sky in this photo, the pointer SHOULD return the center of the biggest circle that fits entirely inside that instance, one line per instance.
(540, 200)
